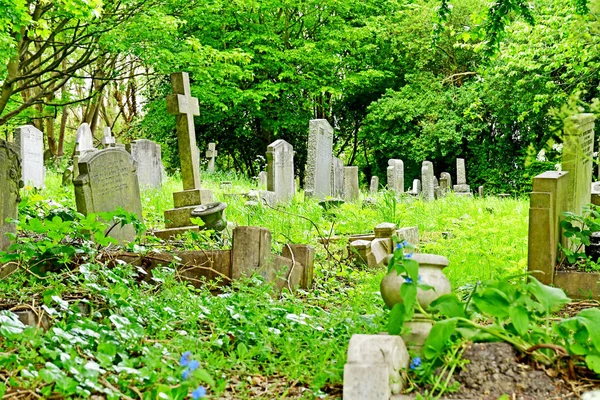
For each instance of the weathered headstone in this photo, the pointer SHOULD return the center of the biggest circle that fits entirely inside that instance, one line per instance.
(180, 103)
(395, 176)
(149, 162)
(351, 189)
(445, 182)
(337, 178)
(428, 182)
(10, 182)
(577, 159)
(461, 188)
(262, 180)
(30, 141)
(108, 180)
(374, 186)
(84, 142)
(108, 140)
(416, 187)
(211, 154)
(480, 191)
(317, 182)
(280, 170)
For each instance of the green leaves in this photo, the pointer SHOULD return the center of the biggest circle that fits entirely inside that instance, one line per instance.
(437, 340)
(10, 325)
(551, 299)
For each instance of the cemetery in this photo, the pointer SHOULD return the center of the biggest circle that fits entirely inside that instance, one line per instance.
(300, 201)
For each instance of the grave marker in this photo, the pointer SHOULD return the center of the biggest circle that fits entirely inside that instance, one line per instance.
(184, 106)
(461, 188)
(30, 141)
(148, 156)
(577, 159)
(10, 182)
(262, 180)
(317, 182)
(428, 181)
(280, 170)
(108, 140)
(374, 186)
(337, 178)
(107, 181)
(211, 154)
(351, 189)
(395, 176)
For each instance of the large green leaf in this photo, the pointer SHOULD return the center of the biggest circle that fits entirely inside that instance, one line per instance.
(551, 299)
(439, 335)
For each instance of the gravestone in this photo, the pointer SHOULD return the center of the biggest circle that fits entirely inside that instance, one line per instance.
(351, 189)
(10, 183)
(211, 154)
(416, 187)
(337, 178)
(428, 193)
(395, 176)
(317, 181)
(445, 182)
(184, 106)
(262, 180)
(84, 142)
(108, 140)
(280, 170)
(30, 141)
(108, 180)
(147, 154)
(374, 186)
(461, 188)
(577, 159)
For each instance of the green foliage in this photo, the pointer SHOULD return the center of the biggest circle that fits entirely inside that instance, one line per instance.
(578, 229)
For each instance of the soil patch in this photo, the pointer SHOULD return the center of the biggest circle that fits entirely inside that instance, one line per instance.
(494, 370)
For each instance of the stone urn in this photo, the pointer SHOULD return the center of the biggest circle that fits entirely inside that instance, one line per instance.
(430, 273)
(212, 215)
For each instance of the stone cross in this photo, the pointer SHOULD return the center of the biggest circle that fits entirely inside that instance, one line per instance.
(108, 140)
(211, 154)
(184, 106)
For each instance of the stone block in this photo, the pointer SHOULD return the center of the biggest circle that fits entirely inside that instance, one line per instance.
(385, 230)
(380, 248)
(366, 382)
(305, 255)
(179, 217)
(250, 249)
(192, 197)
(462, 188)
(361, 249)
(169, 233)
(410, 234)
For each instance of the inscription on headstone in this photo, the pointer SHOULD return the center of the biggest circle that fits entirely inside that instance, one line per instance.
(280, 170)
(148, 156)
(318, 165)
(107, 181)
(30, 141)
(10, 182)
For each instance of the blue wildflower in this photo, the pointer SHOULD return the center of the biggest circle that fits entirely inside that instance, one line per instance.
(408, 255)
(194, 364)
(419, 279)
(199, 393)
(185, 358)
(408, 280)
(399, 246)
(415, 363)
(186, 373)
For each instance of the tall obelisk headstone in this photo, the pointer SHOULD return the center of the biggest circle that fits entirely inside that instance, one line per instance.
(184, 106)
(317, 182)
(30, 141)
(10, 182)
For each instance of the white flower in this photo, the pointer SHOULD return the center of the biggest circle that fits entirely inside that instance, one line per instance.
(541, 155)
(557, 147)
(558, 167)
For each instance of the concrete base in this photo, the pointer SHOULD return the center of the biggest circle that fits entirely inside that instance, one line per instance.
(578, 285)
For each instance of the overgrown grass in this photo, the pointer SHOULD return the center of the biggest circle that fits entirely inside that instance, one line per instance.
(245, 337)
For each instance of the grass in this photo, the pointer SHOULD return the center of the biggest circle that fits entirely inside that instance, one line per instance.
(250, 343)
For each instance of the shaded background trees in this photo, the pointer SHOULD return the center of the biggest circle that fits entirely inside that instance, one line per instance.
(261, 70)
